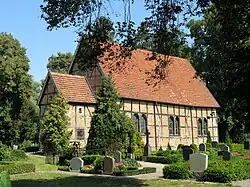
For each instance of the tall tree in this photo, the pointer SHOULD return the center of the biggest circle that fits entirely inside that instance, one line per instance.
(110, 128)
(60, 62)
(55, 134)
(15, 83)
(221, 53)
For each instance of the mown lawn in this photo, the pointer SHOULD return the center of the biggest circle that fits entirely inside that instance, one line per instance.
(50, 179)
(46, 176)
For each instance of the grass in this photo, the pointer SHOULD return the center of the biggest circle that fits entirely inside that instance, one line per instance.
(39, 161)
(50, 179)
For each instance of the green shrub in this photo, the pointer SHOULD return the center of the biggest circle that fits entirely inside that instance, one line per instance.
(169, 159)
(63, 162)
(17, 168)
(224, 171)
(176, 171)
(208, 145)
(98, 164)
(131, 164)
(194, 147)
(25, 144)
(63, 168)
(179, 147)
(209, 139)
(89, 159)
(16, 154)
(135, 172)
(91, 171)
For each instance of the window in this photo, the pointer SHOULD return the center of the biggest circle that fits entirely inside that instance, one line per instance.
(171, 125)
(135, 118)
(177, 126)
(174, 126)
(80, 134)
(202, 127)
(143, 123)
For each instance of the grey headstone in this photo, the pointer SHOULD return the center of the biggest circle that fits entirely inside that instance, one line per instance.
(202, 147)
(246, 145)
(226, 148)
(130, 155)
(118, 157)
(76, 163)
(227, 155)
(109, 164)
(214, 144)
(198, 162)
(186, 152)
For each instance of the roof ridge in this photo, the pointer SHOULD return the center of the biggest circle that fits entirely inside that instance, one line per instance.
(66, 75)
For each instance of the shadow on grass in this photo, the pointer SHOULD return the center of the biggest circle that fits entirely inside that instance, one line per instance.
(79, 181)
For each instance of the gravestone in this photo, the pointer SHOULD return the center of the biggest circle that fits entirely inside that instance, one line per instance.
(246, 145)
(108, 166)
(227, 155)
(118, 157)
(76, 163)
(214, 144)
(226, 148)
(186, 151)
(202, 147)
(198, 162)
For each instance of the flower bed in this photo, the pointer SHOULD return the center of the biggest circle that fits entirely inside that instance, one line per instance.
(135, 172)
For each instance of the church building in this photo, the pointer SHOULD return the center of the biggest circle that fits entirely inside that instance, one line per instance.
(176, 108)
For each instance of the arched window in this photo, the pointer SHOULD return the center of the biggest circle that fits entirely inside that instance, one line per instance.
(199, 125)
(135, 118)
(204, 127)
(171, 125)
(177, 125)
(143, 123)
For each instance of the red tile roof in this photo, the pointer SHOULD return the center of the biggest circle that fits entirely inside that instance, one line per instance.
(73, 87)
(134, 80)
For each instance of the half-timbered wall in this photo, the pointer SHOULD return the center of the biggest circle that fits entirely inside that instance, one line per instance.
(49, 93)
(80, 118)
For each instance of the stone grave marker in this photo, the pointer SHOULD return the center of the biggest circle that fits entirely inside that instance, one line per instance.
(109, 164)
(246, 145)
(198, 162)
(202, 147)
(214, 144)
(118, 157)
(226, 148)
(76, 163)
(186, 151)
(227, 155)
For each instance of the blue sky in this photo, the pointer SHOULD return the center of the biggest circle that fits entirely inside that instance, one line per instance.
(22, 19)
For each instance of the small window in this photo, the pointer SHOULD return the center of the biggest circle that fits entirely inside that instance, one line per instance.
(80, 110)
(135, 118)
(202, 127)
(171, 125)
(143, 123)
(177, 126)
(80, 134)
(199, 124)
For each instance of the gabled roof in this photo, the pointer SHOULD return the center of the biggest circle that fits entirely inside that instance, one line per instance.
(134, 79)
(74, 88)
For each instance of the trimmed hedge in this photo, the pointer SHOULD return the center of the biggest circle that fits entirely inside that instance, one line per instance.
(91, 171)
(176, 171)
(63, 168)
(12, 155)
(135, 172)
(227, 171)
(169, 159)
(18, 168)
(89, 159)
